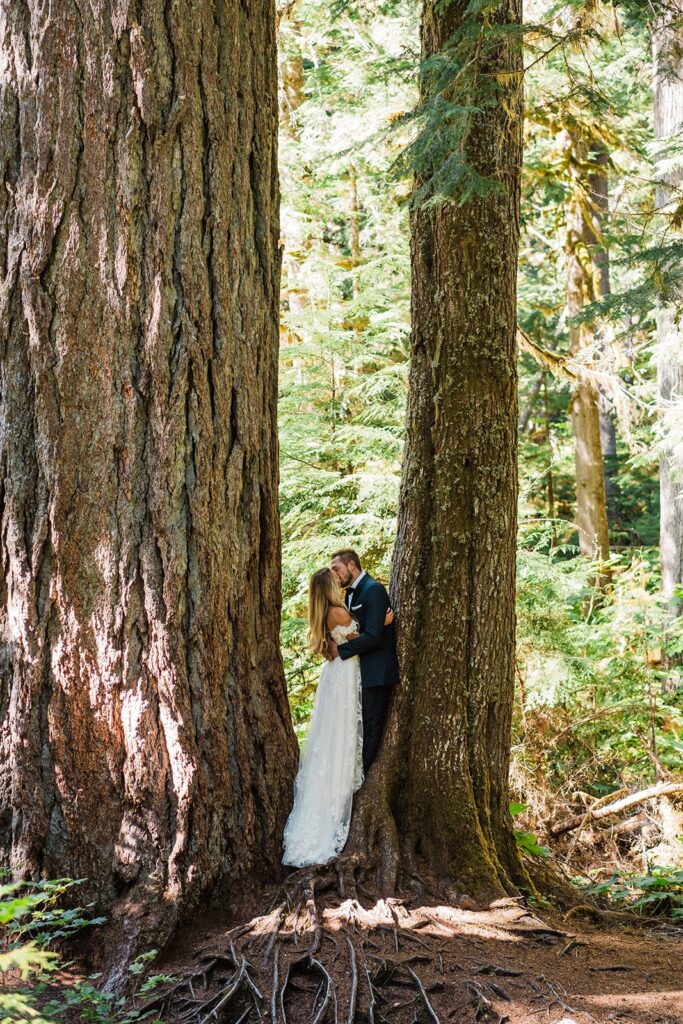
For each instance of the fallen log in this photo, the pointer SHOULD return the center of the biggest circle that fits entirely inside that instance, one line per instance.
(606, 810)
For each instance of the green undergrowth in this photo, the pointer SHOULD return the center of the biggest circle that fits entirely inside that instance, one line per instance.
(660, 891)
(36, 983)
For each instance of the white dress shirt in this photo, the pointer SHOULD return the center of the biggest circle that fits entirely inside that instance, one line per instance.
(352, 586)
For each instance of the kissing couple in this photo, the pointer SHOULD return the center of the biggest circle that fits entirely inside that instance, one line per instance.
(351, 624)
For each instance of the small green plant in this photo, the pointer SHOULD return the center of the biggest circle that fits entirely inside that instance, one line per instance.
(526, 841)
(91, 1005)
(32, 910)
(660, 892)
(32, 920)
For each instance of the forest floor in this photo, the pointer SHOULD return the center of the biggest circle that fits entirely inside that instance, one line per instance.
(410, 961)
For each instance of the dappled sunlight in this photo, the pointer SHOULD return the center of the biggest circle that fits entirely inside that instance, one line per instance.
(670, 1001)
(389, 957)
(508, 923)
(437, 922)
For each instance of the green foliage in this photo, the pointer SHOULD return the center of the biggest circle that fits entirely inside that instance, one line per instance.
(527, 842)
(33, 920)
(595, 701)
(658, 892)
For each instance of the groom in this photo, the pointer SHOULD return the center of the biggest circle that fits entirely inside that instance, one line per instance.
(368, 601)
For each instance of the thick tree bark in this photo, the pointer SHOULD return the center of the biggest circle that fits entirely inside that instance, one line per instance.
(146, 738)
(582, 289)
(437, 798)
(668, 104)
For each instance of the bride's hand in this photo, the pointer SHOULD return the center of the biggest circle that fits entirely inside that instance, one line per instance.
(389, 617)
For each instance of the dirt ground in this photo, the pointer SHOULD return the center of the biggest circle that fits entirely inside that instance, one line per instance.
(407, 962)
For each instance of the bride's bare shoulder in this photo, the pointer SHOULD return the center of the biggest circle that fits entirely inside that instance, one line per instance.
(337, 616)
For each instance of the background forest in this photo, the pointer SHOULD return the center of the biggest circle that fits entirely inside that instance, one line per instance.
(598, 703)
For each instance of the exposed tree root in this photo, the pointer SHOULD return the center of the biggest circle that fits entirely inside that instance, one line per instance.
(431, 1012)
(321, 955)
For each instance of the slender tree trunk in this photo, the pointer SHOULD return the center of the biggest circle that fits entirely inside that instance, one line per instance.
(531, 402)
(582, 237)
(598, 183)
(354, 229)
(291, 70)
(146, 740)
(291, 79)
(438, 796)
(550, 477)
(668, 103)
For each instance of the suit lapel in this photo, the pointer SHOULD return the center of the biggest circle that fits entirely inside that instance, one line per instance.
(355, 594)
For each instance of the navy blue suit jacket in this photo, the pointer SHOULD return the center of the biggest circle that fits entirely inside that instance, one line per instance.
(376, 643)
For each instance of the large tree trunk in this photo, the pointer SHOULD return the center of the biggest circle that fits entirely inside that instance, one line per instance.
(668, 103)
(582, 288)
(146, 738)
(437, 799)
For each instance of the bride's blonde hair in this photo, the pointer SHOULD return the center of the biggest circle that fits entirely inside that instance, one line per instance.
(323, 594)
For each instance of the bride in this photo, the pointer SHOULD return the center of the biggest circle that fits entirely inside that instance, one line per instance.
(331, 766)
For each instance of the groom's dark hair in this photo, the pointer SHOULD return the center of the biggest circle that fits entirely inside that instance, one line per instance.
(348, 555)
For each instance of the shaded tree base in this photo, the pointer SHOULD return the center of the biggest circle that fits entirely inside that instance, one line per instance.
(446, 861)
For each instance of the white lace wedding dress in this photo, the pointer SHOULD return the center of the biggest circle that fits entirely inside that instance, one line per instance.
(331, 765)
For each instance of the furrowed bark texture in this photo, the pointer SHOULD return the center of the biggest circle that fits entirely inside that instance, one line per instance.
(584, 285)
(146, 738)
(668, 104)
(444, 768)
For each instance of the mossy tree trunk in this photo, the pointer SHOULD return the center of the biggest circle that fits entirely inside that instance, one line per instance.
(146, 738)
(583, 287)
(668, 104)
(436, 800)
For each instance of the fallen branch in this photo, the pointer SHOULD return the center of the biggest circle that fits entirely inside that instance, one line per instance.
(607, 810)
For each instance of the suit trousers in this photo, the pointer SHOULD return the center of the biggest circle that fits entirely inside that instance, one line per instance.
(375, 701)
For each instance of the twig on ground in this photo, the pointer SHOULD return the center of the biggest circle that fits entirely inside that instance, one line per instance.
(501, 972)
(276, 985)
(572, 944)
(483, 1005)
(354, 982)
(611, 967)
(557, 998)
(425, 998)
